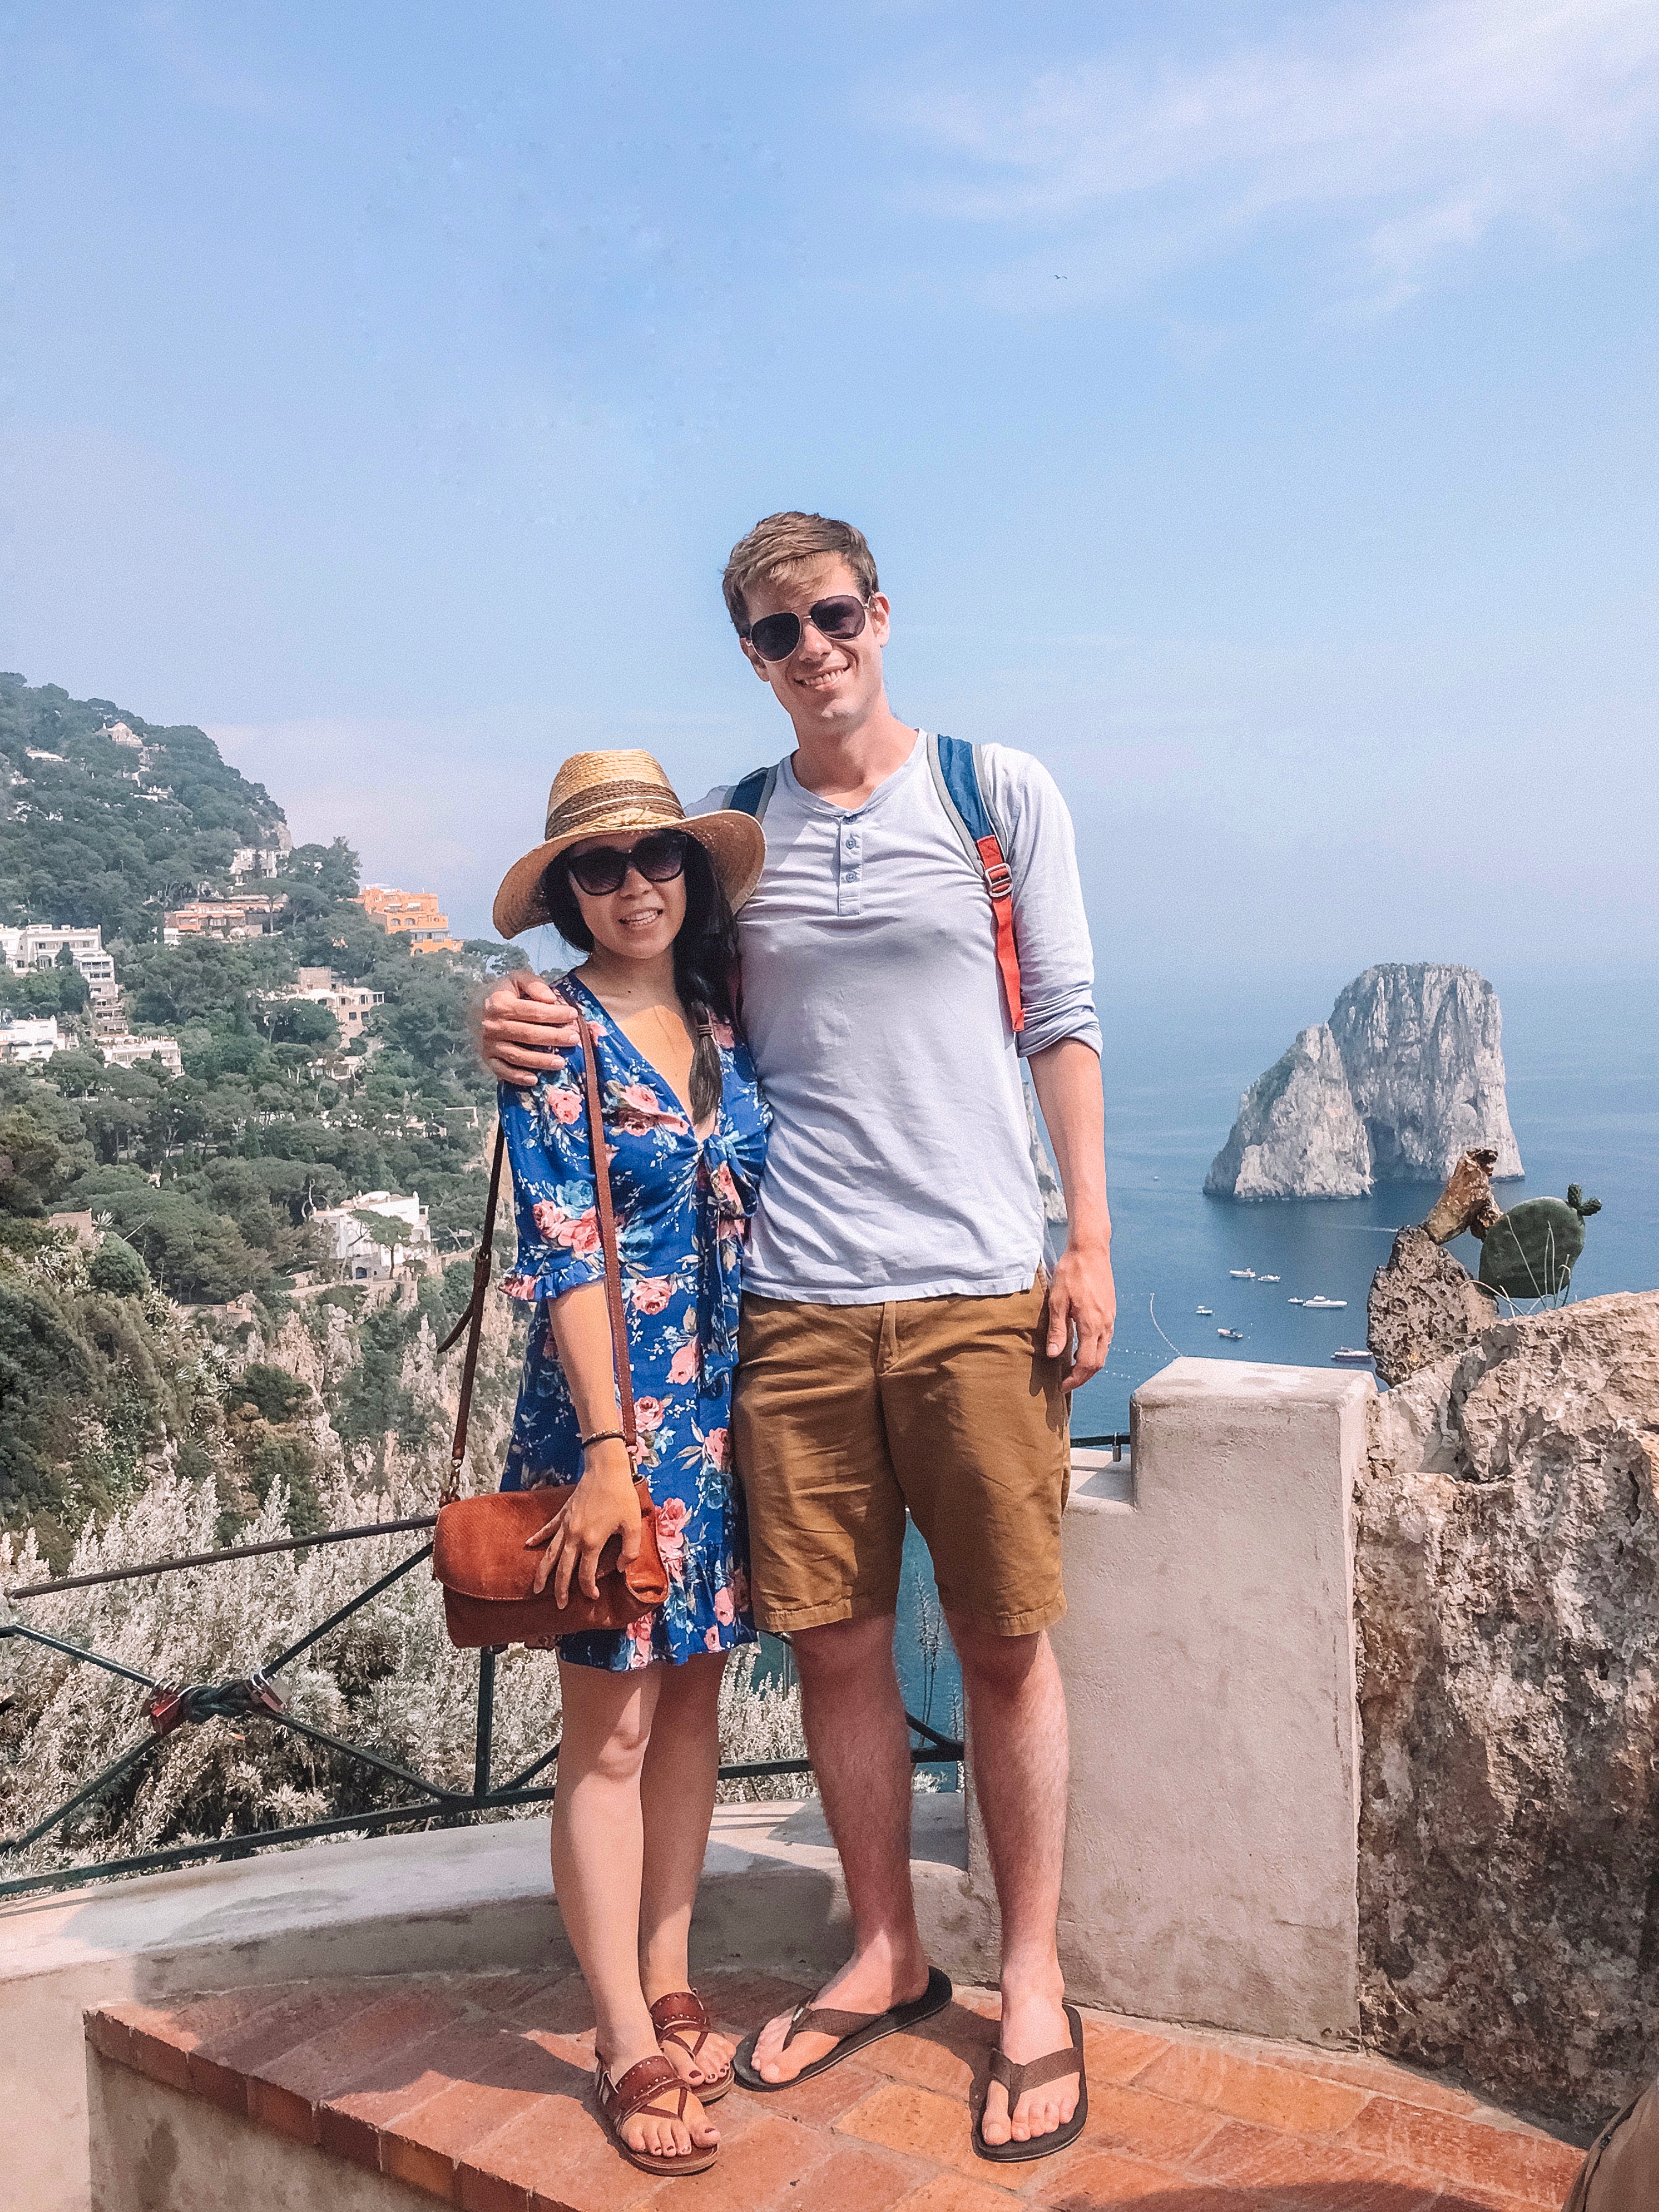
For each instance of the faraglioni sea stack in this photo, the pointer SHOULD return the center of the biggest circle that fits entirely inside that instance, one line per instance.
(1405, 1076)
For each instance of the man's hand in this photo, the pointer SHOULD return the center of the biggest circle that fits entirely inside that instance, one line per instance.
(524, 1027)
(1082, 1297)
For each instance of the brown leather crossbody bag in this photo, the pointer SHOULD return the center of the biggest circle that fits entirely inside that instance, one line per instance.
(479, 1553)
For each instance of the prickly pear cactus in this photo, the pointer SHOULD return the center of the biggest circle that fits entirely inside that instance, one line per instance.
(1530, 1252)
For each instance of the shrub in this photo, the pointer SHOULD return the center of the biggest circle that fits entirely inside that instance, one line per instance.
(273, 1393)
(117, 1269)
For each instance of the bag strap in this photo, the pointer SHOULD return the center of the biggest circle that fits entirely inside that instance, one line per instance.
(472, 1322)
(752, 794)
(956, 771)
(613, 1297)
(472, 1319)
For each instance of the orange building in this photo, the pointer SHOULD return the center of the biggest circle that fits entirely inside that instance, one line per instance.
(413, 914)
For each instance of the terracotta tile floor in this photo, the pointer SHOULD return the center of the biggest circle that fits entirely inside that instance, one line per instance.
(474, 2087)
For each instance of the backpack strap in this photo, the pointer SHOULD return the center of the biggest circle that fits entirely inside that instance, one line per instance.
(753, 795)
(955, 770)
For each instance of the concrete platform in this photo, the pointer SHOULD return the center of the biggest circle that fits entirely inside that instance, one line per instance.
(389, 2094)
(453, 1899)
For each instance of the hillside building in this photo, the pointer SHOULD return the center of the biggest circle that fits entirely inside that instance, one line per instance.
(413, 914)
(253, 915)
(352, 1240)
(22, 1039)
(255, 860)
(37, 945)
(129, 1051)
(351, 1004)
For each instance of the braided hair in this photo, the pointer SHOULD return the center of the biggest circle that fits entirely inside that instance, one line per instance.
(705, 959)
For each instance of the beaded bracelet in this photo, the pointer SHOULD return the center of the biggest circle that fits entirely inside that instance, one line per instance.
(604, 1436)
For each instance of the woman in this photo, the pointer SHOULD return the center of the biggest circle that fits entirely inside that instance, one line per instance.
(648, 896)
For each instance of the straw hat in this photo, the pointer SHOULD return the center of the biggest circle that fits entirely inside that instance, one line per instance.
(597, 795)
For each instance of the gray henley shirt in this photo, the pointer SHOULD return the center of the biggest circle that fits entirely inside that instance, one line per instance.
(899, 1166)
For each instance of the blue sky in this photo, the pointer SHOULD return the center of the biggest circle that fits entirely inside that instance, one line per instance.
(1252, 408)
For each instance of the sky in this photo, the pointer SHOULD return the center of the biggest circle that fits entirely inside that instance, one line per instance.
(1252, 409)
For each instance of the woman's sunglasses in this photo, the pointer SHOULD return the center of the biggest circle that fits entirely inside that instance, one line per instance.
(602, 869)
(774, 637)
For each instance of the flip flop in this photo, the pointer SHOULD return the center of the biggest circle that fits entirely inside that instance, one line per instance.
(855, 2029)
(1016, 2080)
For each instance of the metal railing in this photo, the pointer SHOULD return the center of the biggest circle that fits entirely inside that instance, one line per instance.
(1117, 1438)
(253, 1697)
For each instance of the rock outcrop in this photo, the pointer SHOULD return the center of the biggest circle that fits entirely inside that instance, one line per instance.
(1406, 1075)
(1507, 1595)
(1423, 1304)
(1297, 1134)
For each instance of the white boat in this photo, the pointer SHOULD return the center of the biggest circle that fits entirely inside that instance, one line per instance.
(1242, 1275)
(1323, 1306)
(1208, 1312)
(1233, 1335)
(1294, 1302)
(1266, 1279)
(1351, 1355)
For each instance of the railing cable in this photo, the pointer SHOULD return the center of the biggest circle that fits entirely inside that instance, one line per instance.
(229, 1551)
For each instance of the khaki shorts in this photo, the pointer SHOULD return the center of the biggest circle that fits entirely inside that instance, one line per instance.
(844, 1416)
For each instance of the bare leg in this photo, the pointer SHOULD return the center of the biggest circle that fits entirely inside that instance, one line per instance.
(1018, 1731)
(677, 1795)
(597, 1850)
(860, 1752)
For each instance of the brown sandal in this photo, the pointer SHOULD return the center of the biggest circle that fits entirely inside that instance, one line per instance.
(1033, 2075)
(669, 2016)
(620, 2101)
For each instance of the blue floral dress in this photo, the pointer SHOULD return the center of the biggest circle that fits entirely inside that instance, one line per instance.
(682, 1210)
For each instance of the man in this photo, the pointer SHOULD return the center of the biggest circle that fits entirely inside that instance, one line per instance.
(900, 1347)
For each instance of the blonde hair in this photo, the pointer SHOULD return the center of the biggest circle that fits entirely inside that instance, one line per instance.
(783, 543)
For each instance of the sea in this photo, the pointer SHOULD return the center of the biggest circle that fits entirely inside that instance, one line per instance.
(1581, 1052)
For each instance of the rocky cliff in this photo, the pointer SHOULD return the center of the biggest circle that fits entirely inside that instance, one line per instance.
(1297, 1134)
(1406, 1075)
(1507, 1599)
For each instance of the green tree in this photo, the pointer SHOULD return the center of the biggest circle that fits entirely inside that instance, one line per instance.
(298, 1021)
(36, 1158)
(117, 1268)
(289, 1462)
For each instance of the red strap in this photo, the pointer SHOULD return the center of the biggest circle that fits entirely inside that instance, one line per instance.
(999, 881)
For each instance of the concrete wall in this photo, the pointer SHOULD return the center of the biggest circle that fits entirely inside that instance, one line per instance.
(154, 2150)
(1209, 1659)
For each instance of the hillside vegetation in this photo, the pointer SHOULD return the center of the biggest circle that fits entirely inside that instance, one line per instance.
(92, 836)
(116, 1363)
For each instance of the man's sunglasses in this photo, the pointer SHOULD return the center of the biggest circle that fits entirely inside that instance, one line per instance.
(602, 869)
(774, 637)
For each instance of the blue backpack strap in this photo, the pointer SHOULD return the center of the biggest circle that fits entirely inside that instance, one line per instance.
(954, 766)
(753, 795)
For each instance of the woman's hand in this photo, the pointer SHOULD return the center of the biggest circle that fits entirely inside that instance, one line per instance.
(605, 1504)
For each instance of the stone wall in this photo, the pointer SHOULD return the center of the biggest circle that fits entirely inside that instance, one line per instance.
(1507, 1595)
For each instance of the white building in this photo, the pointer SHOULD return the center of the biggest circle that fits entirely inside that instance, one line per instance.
(351, 1004)
(353, 1242)
(37, 945)
(254, 860)
(135, 1051)
(30, 1040)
